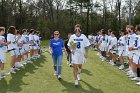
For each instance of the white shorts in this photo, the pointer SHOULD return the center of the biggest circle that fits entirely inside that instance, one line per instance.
(130, 54)
(122, 53)
(14, 52)
(31, 47)
(77, 59)
(103, 48)
(35, 47)
(2, 57)
(26, 47)
(136, 59)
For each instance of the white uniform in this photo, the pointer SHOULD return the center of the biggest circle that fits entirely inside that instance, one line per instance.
(113, 45)
(130, 43)
(103, 43)
(122, 46)
(136, 56)
(20, 49)
(82, 42)
(26, 46)
(31, 38)
(3, 50)
(36, 41)
(13, 45)
(91, 39)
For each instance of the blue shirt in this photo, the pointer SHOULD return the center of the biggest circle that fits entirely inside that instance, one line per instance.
(56, 46)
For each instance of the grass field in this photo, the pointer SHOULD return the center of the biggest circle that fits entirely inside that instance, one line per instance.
(97, 77)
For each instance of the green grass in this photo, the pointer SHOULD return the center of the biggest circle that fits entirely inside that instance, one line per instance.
(97, 77)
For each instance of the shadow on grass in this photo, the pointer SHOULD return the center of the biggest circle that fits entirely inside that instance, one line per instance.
(16, 81)
(87, 72)
(70, 88)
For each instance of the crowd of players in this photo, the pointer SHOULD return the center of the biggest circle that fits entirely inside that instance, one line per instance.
(127, 47)
(19, 44)
(22, 43)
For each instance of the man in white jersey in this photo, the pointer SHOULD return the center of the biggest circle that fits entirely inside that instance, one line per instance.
(122, 48)
(78, 54)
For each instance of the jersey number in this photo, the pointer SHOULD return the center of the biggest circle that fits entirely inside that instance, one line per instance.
(78, 45)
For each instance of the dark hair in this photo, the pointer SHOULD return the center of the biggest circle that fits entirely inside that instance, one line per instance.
(138, 28)
(38, 32)
(78, 25)
(32, 30)
(24, 30)
(2, 29)
(12, 30)
(122, 30)
(19, 32)
(113, 32)
(109, 30)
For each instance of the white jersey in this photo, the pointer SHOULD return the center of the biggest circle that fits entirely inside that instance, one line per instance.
(113, 43)
(137, 44)
(91, 39)
(31, 37)
(36, 40)
(108, 40)
(3, 48)
(12, 39)
(103, 41)
(81, 42)
(131, 40)
(122, 43)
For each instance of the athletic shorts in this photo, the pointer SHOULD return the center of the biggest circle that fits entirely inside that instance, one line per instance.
(122, 53)
(103, 48)
(130, 54)
(78, 59)
(136, 59)
(26, 47)
(2, 57)
(14, 52)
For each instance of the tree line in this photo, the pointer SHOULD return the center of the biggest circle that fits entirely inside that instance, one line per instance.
(47, 16)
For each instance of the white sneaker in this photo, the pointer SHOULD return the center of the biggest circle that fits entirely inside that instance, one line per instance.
(24, 62)
(76, 83)
(17, 69)
(121, 67)
(103, 59)
(129, 72)
(135, 79)
(138, 83)
(12, 71)
(59, 77)
(78, 77)
(3, 74)
(113, 64)
(132, 75)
